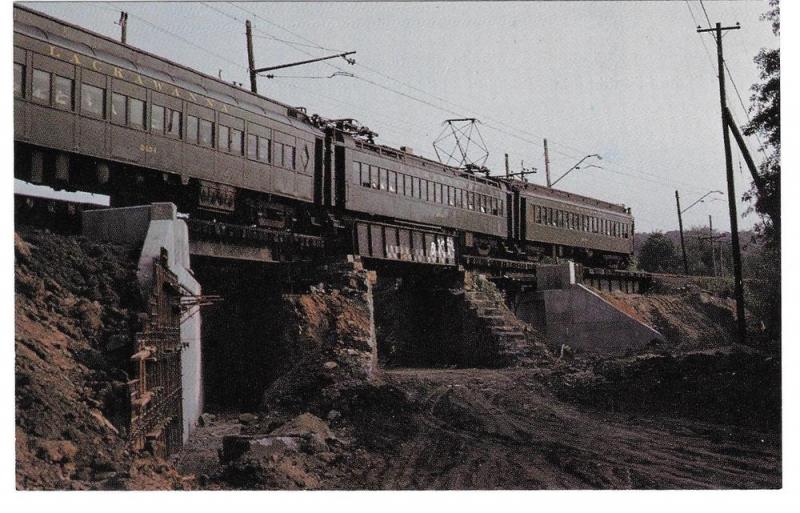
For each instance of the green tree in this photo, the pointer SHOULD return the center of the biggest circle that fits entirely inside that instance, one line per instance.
(766, 122)
(657, 254)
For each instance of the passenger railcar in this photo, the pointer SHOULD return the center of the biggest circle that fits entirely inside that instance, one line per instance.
(561, 224)
(93, 114)
(398, 186)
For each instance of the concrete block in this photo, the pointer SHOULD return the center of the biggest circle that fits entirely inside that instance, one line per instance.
(127, 225)
(584, 320)
(555, 276)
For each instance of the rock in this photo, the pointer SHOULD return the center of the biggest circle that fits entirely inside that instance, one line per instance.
(327, 457)
(206, 419)
(89, 313)
(98, 415)
(333, 415)
(57, 451)
(247, 418)
(305, 424)
(233, 446)
(22, 249)
(314, 444)
(330, 365)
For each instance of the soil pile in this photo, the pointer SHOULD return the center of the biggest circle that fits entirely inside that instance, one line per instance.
(77, 307)
(688, 320)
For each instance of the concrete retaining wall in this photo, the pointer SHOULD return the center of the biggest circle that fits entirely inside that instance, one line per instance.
(153, 227)
(584, 320)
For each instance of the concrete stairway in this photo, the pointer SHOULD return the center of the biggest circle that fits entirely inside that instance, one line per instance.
(514, 341)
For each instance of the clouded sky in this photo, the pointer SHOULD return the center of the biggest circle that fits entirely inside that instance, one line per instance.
(631, 81)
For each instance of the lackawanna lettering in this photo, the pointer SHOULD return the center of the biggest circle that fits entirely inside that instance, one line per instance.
(124, 74)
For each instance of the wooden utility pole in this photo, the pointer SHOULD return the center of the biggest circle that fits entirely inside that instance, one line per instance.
(680, 227)
(737, 256)
(251, 60)
(546, 163)
(711, 241)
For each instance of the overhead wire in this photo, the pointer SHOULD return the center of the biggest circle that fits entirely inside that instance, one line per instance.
(420, 100)
(441, 108)
(732, 81)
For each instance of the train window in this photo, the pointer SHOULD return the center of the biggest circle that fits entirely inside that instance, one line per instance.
(224, 142)
(173, 123)
(136, 113)
(288, 156)
(93, 101)
(264, 149)
(205, 133)
(392, 181)
(373, 177)
(365, 175)
(356, 173)
(19, 79)
(252, 147)
(495, 210)
(236, 141)
(436, 193)
(418, 187)
(470, 200)
(440, 191)
(41, 86)
(384, 179)
(407, 185)
(537, 214)
(157, 118)
(191, 129)
(62, 93)
(119, 108)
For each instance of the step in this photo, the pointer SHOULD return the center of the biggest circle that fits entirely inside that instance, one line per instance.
(493, 318)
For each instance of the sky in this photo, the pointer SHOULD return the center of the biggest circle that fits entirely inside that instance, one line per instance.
(630, 81)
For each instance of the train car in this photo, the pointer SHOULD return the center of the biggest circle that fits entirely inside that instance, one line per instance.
(556, 223)
(397, 186)
(93, 114)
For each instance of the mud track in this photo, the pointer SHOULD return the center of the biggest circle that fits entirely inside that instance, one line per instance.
(501, 429)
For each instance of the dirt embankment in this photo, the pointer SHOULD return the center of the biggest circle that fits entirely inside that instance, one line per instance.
(76, 309)
(693, 413)
(688, 319)
(690, 414)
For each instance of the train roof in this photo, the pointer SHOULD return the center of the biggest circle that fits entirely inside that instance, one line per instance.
(557, 194)
(407, 156)
(106, 48)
